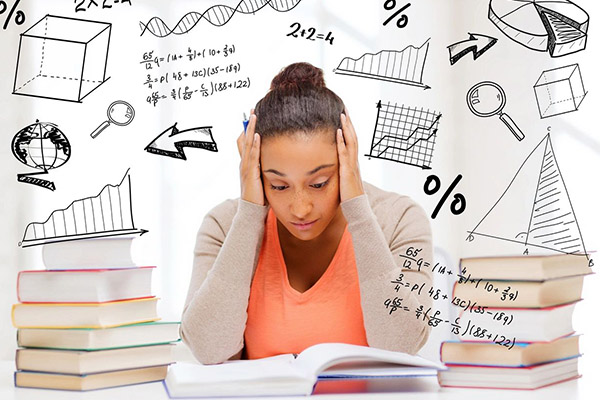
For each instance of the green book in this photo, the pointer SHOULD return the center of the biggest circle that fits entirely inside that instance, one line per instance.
(150, 333)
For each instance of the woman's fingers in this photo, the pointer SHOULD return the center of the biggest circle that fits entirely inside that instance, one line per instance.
(240, 142)
(349, 134)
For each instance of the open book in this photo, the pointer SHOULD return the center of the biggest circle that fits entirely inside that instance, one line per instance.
(289, 374)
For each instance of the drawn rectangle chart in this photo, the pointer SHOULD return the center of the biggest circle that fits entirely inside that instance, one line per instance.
(62, 58)
(405, 134)
(559, 91)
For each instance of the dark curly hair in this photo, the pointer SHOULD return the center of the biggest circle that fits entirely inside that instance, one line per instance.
(298, 102)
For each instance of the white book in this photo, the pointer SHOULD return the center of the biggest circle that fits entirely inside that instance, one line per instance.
(99, 339)
(290, 375)
(524, 324)
(84, 286)
(96, 253)
(532, 377)
(91, 362)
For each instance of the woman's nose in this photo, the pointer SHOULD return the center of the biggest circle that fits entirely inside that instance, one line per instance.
(301, 205)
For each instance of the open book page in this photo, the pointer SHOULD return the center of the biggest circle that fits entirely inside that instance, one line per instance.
(272, 375)
(361, 361)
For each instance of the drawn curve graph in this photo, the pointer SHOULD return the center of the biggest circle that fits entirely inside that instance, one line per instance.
(217, 15)
(405, 135)
(109, 213)
(404, 66)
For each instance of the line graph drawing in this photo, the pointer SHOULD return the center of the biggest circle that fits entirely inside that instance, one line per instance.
(109, 213)
(405, 135)
(217, 15)
(535, 209)
(172, 141)
(559, 91)
(556, 26)
(404, 66)
(476, 44)
(62, 58)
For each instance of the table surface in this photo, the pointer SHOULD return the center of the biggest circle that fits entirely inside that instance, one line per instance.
(425, 388)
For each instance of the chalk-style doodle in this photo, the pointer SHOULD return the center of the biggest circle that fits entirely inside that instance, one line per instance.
(172, 141)
(405, 135)
(19, 16)
(81, 5)
(556, 26)
(401, 22)
(559, 91)
(42, 146)
(458, 205)
(217, 15)
(309, 34)
(535, 209)
(405, 66)
(109, 213)
(476, 44)
(62, 58)
(487, 99)
(119, 113)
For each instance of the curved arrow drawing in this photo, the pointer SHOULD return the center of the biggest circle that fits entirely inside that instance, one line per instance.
(171, 141)
(476, 43)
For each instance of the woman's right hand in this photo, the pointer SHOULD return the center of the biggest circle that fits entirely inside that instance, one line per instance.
(250, 178)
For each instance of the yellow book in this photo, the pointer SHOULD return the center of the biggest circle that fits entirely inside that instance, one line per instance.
(84, 315)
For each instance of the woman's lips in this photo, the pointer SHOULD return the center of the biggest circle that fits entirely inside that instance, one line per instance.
(304, 226)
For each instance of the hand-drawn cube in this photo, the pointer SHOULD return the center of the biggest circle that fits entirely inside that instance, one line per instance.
(62, 58)
(559, 91)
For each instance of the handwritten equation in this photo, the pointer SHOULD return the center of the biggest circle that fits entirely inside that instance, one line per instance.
(309, 34)
(80, 5)
(188, 74)
(434, 318)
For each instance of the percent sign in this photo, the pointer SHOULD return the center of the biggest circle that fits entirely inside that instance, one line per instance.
(459, 203)
(403, 20)
(19, 18)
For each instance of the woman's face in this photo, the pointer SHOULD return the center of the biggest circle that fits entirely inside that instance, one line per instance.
(301, 181)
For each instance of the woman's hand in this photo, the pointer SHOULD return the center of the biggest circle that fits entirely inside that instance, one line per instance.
(250, 179)
(347, 147)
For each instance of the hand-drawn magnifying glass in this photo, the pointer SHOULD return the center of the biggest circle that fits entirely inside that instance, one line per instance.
(119, 112)
(486, 99)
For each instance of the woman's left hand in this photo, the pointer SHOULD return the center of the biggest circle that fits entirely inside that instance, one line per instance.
(347, 148)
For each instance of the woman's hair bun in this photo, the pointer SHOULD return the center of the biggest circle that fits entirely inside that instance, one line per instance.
(298, 75)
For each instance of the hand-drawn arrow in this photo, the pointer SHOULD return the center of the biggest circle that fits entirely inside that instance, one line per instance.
(171, 141)
(460, 49)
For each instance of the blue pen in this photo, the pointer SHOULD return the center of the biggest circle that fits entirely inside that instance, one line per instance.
(245, 122)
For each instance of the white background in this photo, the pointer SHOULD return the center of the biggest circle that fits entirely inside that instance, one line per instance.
(171, 196)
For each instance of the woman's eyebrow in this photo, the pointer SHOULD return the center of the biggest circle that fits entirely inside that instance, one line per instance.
(320, 167)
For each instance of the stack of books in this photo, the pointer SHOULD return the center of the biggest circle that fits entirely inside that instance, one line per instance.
(516, 326)
(89, 321)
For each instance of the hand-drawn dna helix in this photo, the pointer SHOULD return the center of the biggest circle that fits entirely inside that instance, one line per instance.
(217, 15)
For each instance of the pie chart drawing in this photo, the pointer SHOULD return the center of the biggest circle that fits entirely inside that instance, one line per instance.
(556, 26)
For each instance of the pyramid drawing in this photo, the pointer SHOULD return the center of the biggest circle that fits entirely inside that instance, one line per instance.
(535, 209)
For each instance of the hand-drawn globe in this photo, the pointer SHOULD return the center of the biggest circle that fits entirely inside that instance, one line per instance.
(41, 145)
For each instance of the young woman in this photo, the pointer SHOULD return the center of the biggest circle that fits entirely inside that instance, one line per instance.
(309, 251)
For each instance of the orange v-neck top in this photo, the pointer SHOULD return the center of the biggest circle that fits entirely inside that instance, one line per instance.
(283, 320)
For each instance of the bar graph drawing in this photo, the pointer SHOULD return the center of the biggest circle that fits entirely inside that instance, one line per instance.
(535, 209)
(107, 214)
(405, 135)
(404, 67)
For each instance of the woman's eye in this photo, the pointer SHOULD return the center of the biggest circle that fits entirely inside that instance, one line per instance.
(278, 187)
(320, 185)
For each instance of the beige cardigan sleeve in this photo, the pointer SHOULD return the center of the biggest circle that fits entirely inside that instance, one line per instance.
(379, 262)
(225, 255)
